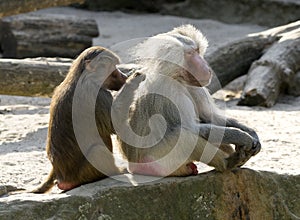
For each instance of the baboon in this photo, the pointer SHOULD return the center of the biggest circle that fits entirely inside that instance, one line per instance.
(83, 94)
(172, 121)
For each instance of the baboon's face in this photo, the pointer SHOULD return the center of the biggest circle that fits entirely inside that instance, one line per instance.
(198, 72)
(115, 80)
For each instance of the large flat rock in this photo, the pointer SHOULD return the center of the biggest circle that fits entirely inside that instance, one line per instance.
(241, 194)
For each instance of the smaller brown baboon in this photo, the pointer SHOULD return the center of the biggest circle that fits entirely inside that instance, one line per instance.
(73, 147)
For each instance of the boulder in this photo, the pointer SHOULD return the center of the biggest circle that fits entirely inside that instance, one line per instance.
(12, 7)
(239, 194)
(126, 5)
(46, 35)
(261, 12)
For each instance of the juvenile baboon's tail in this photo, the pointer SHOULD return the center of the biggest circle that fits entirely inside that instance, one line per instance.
(47, 185)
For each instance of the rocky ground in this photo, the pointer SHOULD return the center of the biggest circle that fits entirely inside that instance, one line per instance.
(24, 120)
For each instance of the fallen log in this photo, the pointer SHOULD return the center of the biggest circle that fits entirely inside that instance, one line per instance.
(39, 76)
(262, 12)
(272, 71)
(32, 77)
(45, 35)
(13, 7)
(235, 58)
(293, 85)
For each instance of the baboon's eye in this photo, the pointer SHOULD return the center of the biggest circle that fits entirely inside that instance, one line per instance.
(191, 52)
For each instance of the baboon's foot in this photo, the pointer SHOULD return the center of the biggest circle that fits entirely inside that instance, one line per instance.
(66, 186)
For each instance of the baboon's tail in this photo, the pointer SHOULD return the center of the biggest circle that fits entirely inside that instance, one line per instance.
(47, 185)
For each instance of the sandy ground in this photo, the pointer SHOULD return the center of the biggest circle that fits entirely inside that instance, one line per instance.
(24, 120)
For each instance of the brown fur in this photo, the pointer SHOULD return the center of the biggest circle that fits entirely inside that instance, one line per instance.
(69, 165)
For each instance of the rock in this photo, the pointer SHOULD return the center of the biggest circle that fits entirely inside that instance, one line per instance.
(12, 7)
(46, 35)
(126, 5)
(241, 194)
(32, 76)
(293, 85)
(261, 12)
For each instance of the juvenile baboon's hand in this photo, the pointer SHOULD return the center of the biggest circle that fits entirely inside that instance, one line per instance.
(135, 79)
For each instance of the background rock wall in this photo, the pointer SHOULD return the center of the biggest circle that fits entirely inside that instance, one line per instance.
(261, 12)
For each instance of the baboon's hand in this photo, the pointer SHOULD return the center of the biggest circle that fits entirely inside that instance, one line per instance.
(252, 149)
(236, 159)
(247, 143)
(135, 80)
(242, 154)
(256, 146)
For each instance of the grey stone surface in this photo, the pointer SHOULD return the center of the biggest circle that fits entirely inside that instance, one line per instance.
(262, 12)
(240, 194)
